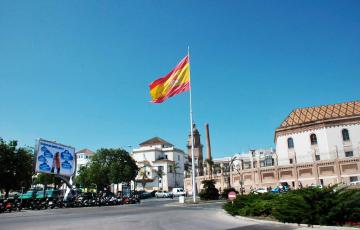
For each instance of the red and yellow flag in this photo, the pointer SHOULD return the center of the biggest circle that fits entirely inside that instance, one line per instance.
(175, 82)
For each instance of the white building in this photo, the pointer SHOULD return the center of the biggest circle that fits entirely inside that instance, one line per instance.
(319, 133)
(161, 165)
(82, 158)
(322, 133)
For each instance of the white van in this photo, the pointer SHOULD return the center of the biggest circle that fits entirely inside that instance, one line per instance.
(178, 192)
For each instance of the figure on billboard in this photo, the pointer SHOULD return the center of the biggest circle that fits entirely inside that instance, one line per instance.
(56, 163)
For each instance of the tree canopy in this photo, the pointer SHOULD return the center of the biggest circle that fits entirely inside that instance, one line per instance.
(16, 166)
(108, 166)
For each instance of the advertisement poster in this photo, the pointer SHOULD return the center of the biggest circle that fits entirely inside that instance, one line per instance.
(55, 158)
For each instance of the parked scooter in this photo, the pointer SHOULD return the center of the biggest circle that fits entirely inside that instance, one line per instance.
(8, 207)
(2, 206)
(17, 205)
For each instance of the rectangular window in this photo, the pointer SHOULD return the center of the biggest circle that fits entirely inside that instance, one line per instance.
(349, 154)
(317, 157)
(178, 157)
(353, 178)
(290, 160)
(262, 163)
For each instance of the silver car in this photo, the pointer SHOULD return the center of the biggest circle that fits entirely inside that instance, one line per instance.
(163, 194)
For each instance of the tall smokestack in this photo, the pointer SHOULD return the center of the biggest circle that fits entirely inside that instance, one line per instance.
(208, 147)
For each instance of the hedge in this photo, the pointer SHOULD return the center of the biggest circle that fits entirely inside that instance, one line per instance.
(312, 206)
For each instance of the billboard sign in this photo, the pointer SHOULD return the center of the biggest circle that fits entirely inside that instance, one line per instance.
(55, 158)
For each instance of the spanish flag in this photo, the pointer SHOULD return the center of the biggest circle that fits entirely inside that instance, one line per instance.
(175, 82)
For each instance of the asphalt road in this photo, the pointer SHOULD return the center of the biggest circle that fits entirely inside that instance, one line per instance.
(150, 214)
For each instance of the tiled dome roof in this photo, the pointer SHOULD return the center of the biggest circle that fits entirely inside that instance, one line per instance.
(310, 115)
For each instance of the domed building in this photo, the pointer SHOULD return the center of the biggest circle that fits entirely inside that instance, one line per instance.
(321, 144)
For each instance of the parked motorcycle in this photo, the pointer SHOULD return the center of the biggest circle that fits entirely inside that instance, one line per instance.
(8, 207)
(2, 206)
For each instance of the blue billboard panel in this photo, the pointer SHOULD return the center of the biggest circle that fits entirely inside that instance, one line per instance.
(55, 158)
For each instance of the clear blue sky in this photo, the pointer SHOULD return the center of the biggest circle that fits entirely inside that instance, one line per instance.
(78, 71)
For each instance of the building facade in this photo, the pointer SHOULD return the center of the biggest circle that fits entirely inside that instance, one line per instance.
(314, 146)
(83, 157)
(322, 143)
(243, 171)
(161, 165)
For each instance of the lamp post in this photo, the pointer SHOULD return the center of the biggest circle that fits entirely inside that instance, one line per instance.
(241, 185)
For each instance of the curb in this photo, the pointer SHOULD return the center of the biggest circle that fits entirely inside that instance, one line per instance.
(301, 226)
(186, 204)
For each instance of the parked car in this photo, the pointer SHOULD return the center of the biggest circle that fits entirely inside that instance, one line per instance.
(163, 194)
(178, 192)
(355, 182)
(144, 195)
(316, 186)
(260, 191)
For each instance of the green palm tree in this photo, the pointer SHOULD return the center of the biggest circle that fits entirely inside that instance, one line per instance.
(144, 178)
(175, 165)
(159, 174)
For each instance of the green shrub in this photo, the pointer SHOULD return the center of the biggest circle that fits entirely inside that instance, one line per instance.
(209, 192)
(251, 205)
(328, 206)
(289, 208)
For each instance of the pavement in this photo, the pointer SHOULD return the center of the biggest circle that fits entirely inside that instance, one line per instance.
(150, 214)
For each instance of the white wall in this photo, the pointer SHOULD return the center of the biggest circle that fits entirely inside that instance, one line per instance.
(327, 139)
(153, 153)
(335, 139)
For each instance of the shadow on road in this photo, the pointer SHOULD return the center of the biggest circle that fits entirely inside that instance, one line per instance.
(262, 227)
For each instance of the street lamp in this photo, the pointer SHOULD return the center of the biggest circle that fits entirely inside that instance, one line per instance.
(241, 185)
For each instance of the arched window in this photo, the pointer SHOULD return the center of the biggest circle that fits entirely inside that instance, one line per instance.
(313, 139)
(345, 135)
(290, 142)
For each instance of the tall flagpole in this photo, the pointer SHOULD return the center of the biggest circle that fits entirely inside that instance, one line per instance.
(192, 139)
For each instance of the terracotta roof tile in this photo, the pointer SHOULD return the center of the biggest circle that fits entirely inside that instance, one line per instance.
(155, 141)
(86, 151)
(321, 113)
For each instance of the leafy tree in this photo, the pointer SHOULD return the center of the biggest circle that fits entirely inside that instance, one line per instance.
(16, 166)
(108, 166)
(209, 192)
(84, 177)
